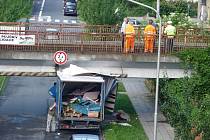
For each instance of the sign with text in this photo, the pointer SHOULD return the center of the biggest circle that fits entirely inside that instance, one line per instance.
(12, 39)
(60, 57)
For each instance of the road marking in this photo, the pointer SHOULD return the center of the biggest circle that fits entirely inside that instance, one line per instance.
(57, 20)
(40, 19)
(32, 18)
(65, 21)
(42, 7)
(49, 20)
(73, 21)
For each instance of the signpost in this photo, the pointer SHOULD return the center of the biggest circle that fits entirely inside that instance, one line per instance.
(60, 57)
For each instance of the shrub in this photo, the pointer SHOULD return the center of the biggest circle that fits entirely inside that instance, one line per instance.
(186, 101)
(12, 10)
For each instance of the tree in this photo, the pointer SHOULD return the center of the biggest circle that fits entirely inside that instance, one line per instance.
(112, 12)
(186, 101)
(98, 11)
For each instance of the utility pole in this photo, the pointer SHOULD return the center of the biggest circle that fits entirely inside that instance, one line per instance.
(158, 64)
(158, 8)
(203, 15)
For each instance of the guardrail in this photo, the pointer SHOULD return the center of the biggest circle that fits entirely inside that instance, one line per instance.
(94, 39)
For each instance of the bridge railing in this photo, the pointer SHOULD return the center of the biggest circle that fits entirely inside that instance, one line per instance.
(94, 39)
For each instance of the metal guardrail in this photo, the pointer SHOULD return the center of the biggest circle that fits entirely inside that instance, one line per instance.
(95, 39)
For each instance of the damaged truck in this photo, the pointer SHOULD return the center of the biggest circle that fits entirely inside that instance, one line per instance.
(82, 97)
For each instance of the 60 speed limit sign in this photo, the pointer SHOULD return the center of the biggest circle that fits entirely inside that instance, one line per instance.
(60, 57)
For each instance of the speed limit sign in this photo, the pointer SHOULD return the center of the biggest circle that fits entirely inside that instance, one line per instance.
(60, 57)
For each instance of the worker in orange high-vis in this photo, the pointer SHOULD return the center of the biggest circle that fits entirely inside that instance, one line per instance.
(149, 37)
(129, 38)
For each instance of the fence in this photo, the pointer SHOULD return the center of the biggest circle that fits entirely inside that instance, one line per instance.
(94, 39)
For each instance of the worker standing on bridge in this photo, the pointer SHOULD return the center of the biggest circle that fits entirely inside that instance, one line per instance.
(149, 37)
(123, 27)
(130, 38)
(170, 32)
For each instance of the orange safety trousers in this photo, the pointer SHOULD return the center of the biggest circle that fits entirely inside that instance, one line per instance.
(129, 44)
(149, 44)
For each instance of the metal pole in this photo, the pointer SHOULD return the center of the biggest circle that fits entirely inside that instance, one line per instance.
(158, 8)
(157, 81)
(158, 65)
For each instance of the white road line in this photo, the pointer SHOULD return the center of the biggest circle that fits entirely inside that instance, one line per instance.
(42, 7)
(65, 21)
(73, 21)
(49, 20)
(32, 19)
(57, 20)
(40, 19)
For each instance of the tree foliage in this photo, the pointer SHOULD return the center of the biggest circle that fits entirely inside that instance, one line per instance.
(97, 11)
(12, 10)
(186, 101)
(179, 20)
(104, 11)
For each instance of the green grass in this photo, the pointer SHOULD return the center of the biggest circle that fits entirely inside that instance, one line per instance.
(118, 132)
(3, 80)
(121, 87)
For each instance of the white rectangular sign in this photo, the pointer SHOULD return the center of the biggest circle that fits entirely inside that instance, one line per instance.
(12, 39)
(12, 29)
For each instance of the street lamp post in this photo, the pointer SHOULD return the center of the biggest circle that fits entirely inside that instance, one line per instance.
(158, 64)
(158, 8)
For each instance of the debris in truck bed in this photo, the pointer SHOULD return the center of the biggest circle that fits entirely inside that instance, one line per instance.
(79, 92)
(91, 95)
(78, 107)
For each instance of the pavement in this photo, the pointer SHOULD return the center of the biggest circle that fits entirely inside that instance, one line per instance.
(144, 105)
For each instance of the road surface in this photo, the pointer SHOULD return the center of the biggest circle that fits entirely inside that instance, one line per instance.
(51, 11)
(23, 109)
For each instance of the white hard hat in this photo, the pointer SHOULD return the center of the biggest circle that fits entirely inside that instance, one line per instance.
(169, 22)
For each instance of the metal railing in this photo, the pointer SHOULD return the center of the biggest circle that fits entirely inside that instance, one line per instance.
(95, 39)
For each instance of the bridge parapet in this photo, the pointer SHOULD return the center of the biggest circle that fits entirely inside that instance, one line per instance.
(79, 38)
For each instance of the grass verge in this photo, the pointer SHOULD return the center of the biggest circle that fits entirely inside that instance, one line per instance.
(3, 80)
(119, 132)
(121, 87)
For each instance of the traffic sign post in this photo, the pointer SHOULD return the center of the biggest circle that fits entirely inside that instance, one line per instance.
(60, 57)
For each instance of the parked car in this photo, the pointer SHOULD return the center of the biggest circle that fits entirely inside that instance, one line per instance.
(135, 22)
(84, 137)
(70, 8)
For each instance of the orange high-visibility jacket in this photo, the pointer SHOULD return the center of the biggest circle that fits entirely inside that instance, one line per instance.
(149, 31)
(129, 30)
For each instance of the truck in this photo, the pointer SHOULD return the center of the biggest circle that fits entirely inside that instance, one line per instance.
(82, 97)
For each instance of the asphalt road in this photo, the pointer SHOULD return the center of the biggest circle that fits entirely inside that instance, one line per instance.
(52, 12)
(23, 110)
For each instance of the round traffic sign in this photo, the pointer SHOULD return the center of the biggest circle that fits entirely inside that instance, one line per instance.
(60, 57)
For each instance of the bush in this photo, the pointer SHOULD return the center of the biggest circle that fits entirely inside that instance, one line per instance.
(179, 20)
(12, 10)
(178, 6)
(186, 102)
